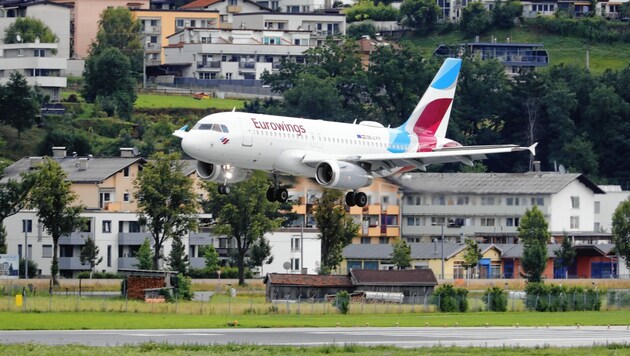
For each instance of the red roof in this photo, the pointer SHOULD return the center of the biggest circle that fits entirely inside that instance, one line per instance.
(422, 277)
(311, 280)
(200, 4)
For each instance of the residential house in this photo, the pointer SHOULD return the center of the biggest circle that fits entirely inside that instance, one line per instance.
(605, 206)
(489, 205)
(227, 9)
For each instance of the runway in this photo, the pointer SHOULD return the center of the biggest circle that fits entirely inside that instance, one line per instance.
(368, 336)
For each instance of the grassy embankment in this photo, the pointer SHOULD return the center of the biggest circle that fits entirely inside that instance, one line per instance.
(567, 50)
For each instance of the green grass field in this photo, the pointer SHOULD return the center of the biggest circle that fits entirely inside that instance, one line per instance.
(185, 101)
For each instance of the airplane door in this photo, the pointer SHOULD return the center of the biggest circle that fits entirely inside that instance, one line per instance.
(247, 134)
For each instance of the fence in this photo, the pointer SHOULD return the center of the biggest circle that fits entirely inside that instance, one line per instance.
(253, 302)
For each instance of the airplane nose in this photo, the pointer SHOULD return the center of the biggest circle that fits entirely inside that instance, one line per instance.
(190, 146)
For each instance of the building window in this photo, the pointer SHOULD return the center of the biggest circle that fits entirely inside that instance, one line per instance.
(438, 200)
(228, 76)
(39, 53)
(539, 201)
(488, 201)
(383, 240)
(415, 221)
(487, 221)
(134, 226)
(27, 225)
(126, 197)
(437, 221)
(511, 201)
(295, 264)
(105, 197)
(596, 227)
(365, 240)
(295, 244)
(597, 207)
(463, 200)
(575, 222)
(575, 202)
(179, 23)
(126, 172)
(107, 226)
(109, 255)
(47, 251)
(511, 221)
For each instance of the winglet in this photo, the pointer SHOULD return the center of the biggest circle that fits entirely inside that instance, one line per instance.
(181, 132)
(532, 148)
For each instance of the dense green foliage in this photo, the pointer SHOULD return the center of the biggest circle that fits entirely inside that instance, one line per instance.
(495, 299)
(244, 215)
(19, 103)
(594, 29)
(621, 230)
(183, 287)
(167, 203)
(336, 228)
(178, 259)
(476, 20)
(89, 254)
(55, 201)
(401, 254)
(28, 30)
(421, 15)
(358, 30)
(342, 302)
(566, 255)
(556, 297)
(450, 299)
(472, 255)
(368, 10)
(534, 234)
(144, 256)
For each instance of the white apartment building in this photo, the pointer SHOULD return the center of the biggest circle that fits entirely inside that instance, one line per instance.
(234, 54)
(605, 206)
(321, 25)
(490, 205)
(43, 64)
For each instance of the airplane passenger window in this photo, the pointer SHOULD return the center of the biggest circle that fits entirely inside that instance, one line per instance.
(224, 129)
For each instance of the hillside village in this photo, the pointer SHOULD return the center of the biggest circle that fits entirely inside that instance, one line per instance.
(228, 45)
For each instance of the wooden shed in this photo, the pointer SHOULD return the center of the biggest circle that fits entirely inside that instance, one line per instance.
(304, 286)
(413, 282)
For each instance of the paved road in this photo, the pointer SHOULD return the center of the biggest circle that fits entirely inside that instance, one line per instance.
(402, 337)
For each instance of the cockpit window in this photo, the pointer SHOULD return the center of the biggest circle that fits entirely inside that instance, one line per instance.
(213, 127)
(216, 127)
(224, 129)
(205, 127)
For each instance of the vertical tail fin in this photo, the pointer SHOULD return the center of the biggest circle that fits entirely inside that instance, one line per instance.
(431, 115)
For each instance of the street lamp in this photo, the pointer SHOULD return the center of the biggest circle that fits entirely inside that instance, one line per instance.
(442, 247)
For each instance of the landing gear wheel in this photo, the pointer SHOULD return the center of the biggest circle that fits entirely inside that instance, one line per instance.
(361, 199)
(271, 194)
(282, 195)
(226, 189)
(220, 189)
(350, 199)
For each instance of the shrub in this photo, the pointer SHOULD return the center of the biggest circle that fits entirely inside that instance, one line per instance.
(495, 299)
(450, 299)
(552, 298)
(342, 301)
(183, 289)
(99, 275)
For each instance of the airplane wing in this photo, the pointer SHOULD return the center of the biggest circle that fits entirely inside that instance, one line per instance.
(463, 154)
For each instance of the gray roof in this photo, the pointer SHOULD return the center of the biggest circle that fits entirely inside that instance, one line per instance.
(492, 183)
(98, 169)
(419, 251)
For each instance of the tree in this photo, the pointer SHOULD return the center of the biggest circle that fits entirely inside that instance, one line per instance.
(401, 254)
(261, 254)
(472, 255)
(89, 255)
(504, 13)
(244, 215)
(336, 228)
(23, 102)
(144, 256)
(177, 258)
(621, 230)
(421, 15)
(312, 97)
(359, 30)
(54, 200)
(13, 198)
(29, 30)
(565, 256)
(118, 28)
(211, 258)
(534, 234)
(31, 266)
(167, 203)
(109, 83)
(476, 19)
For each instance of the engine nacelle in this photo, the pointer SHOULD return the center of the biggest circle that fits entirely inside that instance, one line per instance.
(216, 173)
(342, 175)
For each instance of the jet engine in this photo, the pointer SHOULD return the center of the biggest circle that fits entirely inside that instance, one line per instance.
(342, 175)
(222, 174)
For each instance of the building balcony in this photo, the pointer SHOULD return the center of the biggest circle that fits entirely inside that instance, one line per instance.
(48, 82)
(112, 206)
(200, 239)
(355, 210)
(72, 263)
(133, 238)
(299, 209)
(392, 210)
(127, 262)
(151, 30)
(373, 209)
(75, 238)
(392, 231)
(247, 65)
(209, 65)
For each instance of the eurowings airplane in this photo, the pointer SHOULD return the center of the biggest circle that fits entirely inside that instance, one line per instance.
(229, 145)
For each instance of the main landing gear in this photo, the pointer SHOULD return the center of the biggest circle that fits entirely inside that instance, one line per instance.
(277, 193)
(356, 198)
(224, 189)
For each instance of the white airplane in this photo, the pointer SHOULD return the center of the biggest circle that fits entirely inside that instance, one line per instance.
(229, 145)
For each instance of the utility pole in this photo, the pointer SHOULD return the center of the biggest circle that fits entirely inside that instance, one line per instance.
(442, 277)
(25, 225)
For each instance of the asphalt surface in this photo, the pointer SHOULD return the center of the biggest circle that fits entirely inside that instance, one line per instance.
(395, 336)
